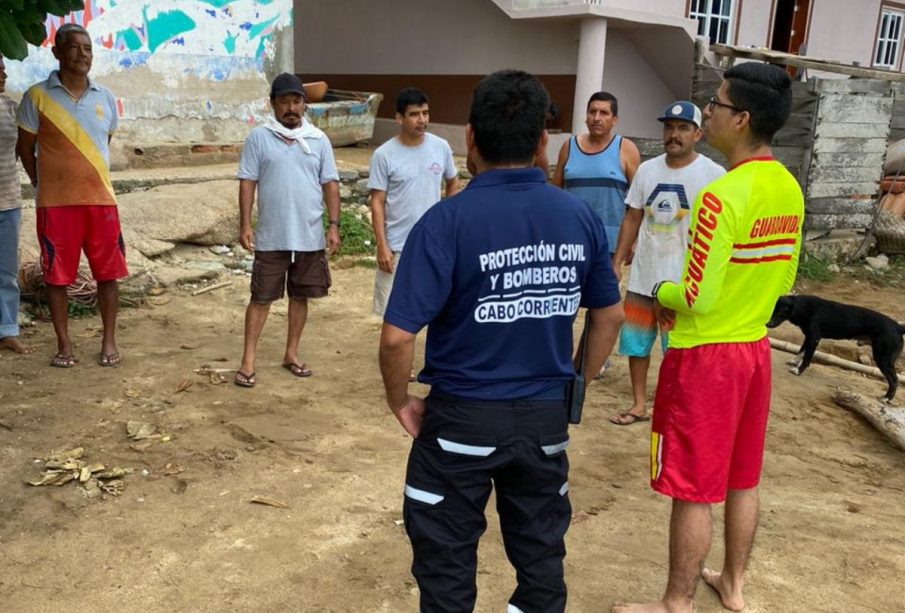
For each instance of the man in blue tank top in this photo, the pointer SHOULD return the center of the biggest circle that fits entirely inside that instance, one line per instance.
(497, 274)
(599, 166)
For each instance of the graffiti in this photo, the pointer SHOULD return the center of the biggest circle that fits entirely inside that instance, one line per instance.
(237, 28)
(213, 40)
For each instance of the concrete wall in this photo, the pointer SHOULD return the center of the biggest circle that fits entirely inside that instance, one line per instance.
(182, 70)
(642, 94)
(408, 37)
(471, 37)
(843, 30)
(754, 23)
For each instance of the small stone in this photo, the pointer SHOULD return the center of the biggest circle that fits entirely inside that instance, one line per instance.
(345, 192)
(219, 249)
(364, 174)
(880, 262)
(834, 268)
(361, 186)
(348, 175)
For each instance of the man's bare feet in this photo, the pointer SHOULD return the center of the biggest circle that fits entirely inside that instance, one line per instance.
(15, 345)
(731, 598)
(654, 607)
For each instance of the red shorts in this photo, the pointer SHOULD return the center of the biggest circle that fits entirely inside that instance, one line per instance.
(710, 419)
(64, 231)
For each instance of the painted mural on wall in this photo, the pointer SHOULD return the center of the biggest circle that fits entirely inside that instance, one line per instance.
(211, 39)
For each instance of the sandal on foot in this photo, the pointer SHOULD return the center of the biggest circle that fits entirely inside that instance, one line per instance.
(298, 371)
(243, 380)
(627, 419)
(109, 359)
(63, 361)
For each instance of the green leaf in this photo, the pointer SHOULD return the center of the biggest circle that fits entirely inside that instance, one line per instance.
(76, 5)
(12, 43)
(29, 15)
(55, 7)
(35, 33)
(14, 5)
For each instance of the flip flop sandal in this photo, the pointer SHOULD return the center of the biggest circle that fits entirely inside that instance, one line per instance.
(298, 371)
(109, 360)
(632, 418)
(63, 361)
(243, 380)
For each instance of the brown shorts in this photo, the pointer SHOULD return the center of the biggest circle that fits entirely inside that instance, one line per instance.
(304, 274)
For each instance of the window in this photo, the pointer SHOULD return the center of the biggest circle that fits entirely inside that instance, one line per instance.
(889, 39)
(714, 19)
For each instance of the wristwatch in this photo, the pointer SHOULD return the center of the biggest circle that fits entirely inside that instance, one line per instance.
(657, 286)
(335, 222)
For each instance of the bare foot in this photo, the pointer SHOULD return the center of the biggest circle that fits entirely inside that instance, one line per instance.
(731, 598)
(15, 345)
(654, 607)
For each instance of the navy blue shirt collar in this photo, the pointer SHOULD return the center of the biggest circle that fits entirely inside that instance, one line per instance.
(506, 176)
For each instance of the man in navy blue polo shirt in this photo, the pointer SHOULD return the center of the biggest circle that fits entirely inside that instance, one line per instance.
(497, 273)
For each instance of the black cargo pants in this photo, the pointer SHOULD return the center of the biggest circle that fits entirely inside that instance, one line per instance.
(465, 449)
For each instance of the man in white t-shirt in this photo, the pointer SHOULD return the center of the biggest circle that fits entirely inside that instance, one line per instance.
(405, 179)
(659, 200)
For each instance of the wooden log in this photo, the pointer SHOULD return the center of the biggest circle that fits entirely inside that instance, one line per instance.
(211, 288)
(890, 420)
(832, 360)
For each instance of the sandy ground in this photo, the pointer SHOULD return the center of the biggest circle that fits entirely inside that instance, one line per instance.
(831, 535)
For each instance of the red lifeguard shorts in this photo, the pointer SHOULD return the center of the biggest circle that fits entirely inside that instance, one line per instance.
(64, 231)
(710, 419)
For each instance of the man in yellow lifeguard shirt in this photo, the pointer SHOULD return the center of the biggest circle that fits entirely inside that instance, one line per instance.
(713, 394)
(65, 125)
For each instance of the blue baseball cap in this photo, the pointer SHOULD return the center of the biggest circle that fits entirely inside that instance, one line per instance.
(684, 111)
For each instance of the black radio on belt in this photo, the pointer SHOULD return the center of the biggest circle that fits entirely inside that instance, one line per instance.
(575, 391)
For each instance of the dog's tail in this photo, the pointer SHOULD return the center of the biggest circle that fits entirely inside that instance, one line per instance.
(901, 328)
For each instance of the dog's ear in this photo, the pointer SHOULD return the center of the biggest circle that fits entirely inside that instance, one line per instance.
(792, 305)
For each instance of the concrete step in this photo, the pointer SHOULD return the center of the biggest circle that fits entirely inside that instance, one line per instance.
(166, 155)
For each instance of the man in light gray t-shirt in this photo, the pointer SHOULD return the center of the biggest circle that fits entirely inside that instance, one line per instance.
(405, 179)
(289, 163)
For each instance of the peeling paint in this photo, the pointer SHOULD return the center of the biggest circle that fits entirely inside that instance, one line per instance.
(211, 39)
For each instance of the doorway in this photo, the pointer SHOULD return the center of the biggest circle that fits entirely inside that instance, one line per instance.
(790, 25)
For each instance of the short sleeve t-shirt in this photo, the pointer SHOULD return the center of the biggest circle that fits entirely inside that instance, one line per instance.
(72, 142)
(666, 196)
(411, 178)
(290, 197)
(10, 190)
(741, 257)
(497, 273)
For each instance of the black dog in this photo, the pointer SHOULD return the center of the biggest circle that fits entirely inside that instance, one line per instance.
(819, 318)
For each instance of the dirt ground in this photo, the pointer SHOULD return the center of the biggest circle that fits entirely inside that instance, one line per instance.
(831, 536)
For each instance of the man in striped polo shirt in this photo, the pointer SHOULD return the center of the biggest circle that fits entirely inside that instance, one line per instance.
(10, 218)
(65, 125)
(713, 395)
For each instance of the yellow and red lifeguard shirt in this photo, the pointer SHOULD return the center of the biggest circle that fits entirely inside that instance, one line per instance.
(72, 142)
(745, 239)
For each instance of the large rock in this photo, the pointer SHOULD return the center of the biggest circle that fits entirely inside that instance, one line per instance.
(201, 214)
